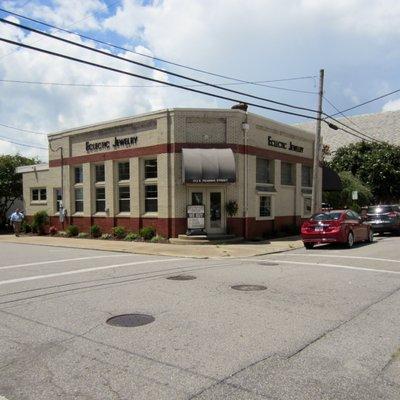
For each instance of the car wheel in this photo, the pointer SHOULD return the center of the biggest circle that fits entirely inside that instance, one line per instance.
(350, 240)
(370, 236)
(309, 246)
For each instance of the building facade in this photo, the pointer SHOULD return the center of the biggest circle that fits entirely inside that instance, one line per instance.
(146, 171)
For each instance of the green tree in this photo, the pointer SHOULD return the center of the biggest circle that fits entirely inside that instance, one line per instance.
(377, 165)
(344, 198)
(11, 182)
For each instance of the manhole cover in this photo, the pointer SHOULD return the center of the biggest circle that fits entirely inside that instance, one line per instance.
(130, 320)
(181, 278)
(248, 288)
(268, 264)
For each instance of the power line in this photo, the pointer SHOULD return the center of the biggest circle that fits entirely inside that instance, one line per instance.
(134, 86)
(368, 101)
(153, 68)
(163, 60)
(152, 79)
(22, 130)
(4, 139)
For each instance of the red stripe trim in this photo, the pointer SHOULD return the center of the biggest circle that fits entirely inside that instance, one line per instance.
(177, 148)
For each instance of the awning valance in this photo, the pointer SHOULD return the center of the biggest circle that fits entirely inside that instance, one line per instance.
(208, 166)
(331, 181)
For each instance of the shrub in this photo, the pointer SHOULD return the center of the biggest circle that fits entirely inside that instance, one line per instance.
(83, 235)
(95, 231)
(231, 208)
(27, 228)
(39, 221)
(158, 239)
(62, 234)
(147, 232)
(53, 230)
(130, 237)
(119, 232)
(72, 230)
(106, 236)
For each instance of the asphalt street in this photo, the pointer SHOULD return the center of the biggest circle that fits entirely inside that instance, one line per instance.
(326, 326)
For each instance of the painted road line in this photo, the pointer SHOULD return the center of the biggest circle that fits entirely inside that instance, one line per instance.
(61, 261)
(85, 270)
(338, 256)
(383, 271)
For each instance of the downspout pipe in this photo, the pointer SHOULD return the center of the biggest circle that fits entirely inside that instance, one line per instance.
(245, 128)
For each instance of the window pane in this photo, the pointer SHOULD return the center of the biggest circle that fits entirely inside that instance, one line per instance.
(307, 206)
(306, 176)
(263, 171)
(197, 198)
(78, 174)
(124, 199)
(99, 173)
(150, 202)
(35, 194)
(100, 200)
(43, 194)
(57, 195)
(79, 200)
(265, 206)
(150, 169)
(287, 175)
(123, 171)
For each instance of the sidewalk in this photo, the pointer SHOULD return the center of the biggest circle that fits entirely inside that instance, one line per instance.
(247, 249)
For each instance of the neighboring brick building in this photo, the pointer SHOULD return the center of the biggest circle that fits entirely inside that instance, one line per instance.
(143, 171)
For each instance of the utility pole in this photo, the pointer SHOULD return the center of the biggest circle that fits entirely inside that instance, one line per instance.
(315, 201)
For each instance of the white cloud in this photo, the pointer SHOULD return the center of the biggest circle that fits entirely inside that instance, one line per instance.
(392, 105)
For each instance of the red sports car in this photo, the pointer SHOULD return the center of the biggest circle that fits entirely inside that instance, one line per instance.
(335, 226)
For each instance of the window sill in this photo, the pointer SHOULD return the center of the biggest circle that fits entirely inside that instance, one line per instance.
(265, 218)
(78, 214)
(124, 182)
(38, 202)
(100, 214)
(78, 184)
(288, 186)
(149, 181)
(150, 215)
(124, 214)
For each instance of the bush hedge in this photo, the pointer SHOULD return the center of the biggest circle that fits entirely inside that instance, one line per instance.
(39, 221)
(95, 231)
(147, 233)
(72, 230)
(119, 232)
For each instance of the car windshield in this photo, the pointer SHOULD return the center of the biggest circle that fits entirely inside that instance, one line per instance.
(335, 215)
(379, 209)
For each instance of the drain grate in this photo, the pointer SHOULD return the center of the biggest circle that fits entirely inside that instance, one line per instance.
(181, 277)
(248, 288)
(130, 320)
(268, 263)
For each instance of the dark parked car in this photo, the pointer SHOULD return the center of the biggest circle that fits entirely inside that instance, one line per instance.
(384, 218)
(336, 226)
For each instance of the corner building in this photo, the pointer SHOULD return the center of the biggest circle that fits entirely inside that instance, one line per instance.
(145, 171)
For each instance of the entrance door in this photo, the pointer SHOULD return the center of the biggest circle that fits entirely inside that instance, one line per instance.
(213, 200)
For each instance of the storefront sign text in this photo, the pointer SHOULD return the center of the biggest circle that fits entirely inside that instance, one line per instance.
(107, 144)
(284, 145)
(195, 217)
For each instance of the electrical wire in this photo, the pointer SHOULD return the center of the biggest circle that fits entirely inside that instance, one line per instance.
(153, 68)
(152, 79)
(5, 139)
(163, 60)
(136, 86)
(22, 130)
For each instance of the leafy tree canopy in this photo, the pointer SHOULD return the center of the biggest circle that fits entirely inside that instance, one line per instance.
(377, 165)
(10, 182)
(344, 198)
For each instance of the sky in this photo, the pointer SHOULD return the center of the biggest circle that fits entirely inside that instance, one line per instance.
(269, 41)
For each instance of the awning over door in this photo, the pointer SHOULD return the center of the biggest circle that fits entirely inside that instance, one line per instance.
(331, 181)
(208, 166)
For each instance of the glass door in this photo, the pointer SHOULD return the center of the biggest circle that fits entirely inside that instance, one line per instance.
(215, 212)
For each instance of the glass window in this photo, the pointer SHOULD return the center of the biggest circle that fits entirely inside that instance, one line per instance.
(150, 169)
(78, 174)
(124, 199)
(100, 199)
(35, 194)
(327, 216)
(150, 201)
(264, 171)
(307, 206)
(43, 194)
(99, 173)
(123, 171)
(39, 194)
(306, 176)
(287, 173)
(58, 197)
(265, 206)
(79, 200)
(197, 199)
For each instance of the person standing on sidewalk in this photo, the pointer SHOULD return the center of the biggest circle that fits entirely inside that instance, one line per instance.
(16, 220)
